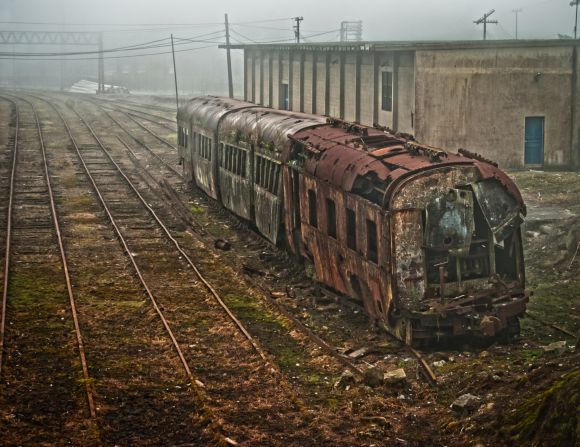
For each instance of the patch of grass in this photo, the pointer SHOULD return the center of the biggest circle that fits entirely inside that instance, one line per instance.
(26, 289)
(245, 307)
(196, 209)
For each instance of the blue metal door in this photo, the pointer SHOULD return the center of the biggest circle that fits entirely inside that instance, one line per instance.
(534, 140)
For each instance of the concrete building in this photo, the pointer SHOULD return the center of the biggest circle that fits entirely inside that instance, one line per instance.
(515, 102)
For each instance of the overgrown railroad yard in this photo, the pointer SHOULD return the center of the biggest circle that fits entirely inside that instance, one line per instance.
(138, 312)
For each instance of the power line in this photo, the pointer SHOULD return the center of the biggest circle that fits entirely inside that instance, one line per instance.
(241, 35)
(135, 47)
(107, 57)
(144, 24)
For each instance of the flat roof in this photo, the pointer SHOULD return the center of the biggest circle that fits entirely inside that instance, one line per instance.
(401, 45)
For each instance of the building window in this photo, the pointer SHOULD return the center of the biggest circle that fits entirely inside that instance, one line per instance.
(312, 216)
(331, 218)
(387, 91)
(350, 229)
(372, 251)
(284, 97)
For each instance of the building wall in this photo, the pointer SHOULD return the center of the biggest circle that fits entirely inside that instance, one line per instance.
(451, 98)
(478, 99)
(368, 94)
(576, 110)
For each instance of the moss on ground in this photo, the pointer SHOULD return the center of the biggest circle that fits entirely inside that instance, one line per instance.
(549, 418)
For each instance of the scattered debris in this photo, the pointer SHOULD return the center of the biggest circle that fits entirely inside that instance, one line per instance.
(395, 376)
(374, 377)
(358, 353)
(220, 244)
(484, 354)
(558, 347)
(345, 380)
(278, 294)
(379, 420)
(466, 404)
(439, 363)
(252, 271)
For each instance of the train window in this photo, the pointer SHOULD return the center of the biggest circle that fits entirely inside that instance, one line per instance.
(312, 216)
(205, 147)
(372, 251)
(234, 159)
(350, 229)
(387, 91)
(331, 218)
(267, 173)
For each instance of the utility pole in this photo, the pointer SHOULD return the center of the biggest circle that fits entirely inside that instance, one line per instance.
(101, 88)
(297, 28)
(485, 22)
(229, 58)
(516, 12)
(175, 74)
(575, 3)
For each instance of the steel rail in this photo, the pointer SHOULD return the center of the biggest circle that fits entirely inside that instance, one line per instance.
(161, 139)
(8, 233)
(147, 148)
(196, 383)
(186, 257)
(128, 251)
(138, 114)
(296, 322)
(72, 303)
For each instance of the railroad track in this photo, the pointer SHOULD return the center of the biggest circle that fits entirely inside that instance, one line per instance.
(143, 248)
(32, 302)
(167, 123)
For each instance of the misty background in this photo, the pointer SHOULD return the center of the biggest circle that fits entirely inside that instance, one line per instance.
(198, 27)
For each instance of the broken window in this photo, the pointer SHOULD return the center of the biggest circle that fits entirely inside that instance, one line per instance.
(331, 218)
(267, 173)
(312, 216)
(205, 147)
(372, 250)
(350, 229)
(233, 159)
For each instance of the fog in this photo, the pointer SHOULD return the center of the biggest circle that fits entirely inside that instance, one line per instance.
(202, 70)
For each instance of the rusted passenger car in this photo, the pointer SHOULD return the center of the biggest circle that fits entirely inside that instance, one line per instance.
(428, 241)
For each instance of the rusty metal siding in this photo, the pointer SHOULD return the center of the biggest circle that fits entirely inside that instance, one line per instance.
(344, 269)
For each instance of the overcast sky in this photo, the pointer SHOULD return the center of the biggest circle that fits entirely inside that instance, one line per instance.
(201, 66)
(382, 19)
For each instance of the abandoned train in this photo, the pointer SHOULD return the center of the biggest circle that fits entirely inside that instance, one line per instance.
(428, 241)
